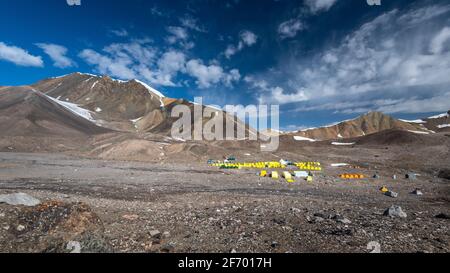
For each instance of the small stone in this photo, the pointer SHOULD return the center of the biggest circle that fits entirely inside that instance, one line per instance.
(391, 194)
(233, 251)
(166, 234)
(130, 217)
(275, 244)
(155, 234)
(395, 211)
(417, 192)
(74, 247)
(2, 215)
(168, 248)
(411, 176)
(20, 228)
(340, 219)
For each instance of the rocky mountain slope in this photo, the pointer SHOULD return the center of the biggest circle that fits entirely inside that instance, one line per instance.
(26, 112)
(438, 123)
(367, 124)
(127, 106)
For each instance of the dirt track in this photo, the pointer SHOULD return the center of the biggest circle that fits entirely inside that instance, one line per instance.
(203, 209)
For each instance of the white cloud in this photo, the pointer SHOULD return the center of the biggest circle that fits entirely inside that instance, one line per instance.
(157, 12)
(139, 51)
(180, 36)
(192, 23)
(172, 61)
(257, 83)
(246, 39)
(120, 32)
(142, 61)
(438, 42)
(112, 66)
(132, 60)
(274, 94)
(19, 56)
(168, 66)
(208, 75)
(278, 96)
(233, 76)
(316, 6)
(383, 65)
(58, 55)
(177, 34)
(290, 28)
(423, 14)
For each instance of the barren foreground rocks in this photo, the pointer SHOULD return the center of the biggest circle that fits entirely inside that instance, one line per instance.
(112, 206)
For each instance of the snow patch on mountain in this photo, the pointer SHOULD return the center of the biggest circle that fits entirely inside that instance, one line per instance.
(94, 84)
(417, 121)
(71, 107)
(445, 115)
(300, 138)
(419, 132)
(342, 144)
(339, 164)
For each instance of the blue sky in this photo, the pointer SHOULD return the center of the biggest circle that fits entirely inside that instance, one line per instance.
(321, 60)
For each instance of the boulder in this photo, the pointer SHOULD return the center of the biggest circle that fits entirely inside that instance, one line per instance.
(19, 199)
(395, 211)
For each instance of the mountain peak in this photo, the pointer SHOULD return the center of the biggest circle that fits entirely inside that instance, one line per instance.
(108, 78)
(369, 123)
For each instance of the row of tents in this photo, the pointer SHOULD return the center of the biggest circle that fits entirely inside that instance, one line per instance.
(308, 166)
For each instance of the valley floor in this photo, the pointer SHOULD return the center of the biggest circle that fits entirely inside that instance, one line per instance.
(170, 207)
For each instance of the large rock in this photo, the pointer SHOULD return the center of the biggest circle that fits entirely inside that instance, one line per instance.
(395, 211)
(20, 198)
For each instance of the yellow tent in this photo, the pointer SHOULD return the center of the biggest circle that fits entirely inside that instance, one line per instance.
(275, 175)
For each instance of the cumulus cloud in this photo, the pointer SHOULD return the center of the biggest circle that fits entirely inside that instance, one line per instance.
(316, 6)
(177, 34)
(115, 66)
(180, 36)
(130, 60)
(208, 75)
(290, 28)
(246, 39)
(383, 65)
(273, 94)
(58, 55)
(19, 56)
(142, 61)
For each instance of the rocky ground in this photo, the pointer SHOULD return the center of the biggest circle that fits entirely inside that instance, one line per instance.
(112, 206)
